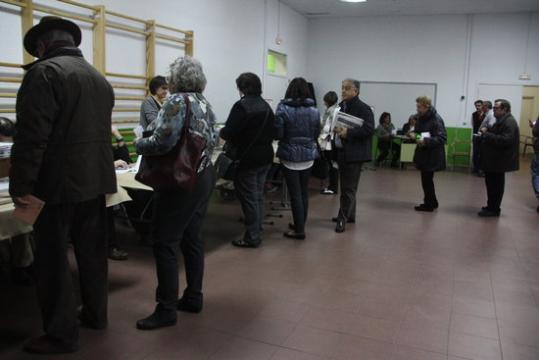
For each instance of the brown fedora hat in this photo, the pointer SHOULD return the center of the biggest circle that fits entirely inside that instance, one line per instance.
(46, 24)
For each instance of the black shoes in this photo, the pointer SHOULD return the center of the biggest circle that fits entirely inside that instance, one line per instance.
(294, 235)
(190, 306)
(426, 208)
(158, 319)
(245, 244)
(341, 226)
(87, 323)
(485, 212)
(117, 254)
(46, 345)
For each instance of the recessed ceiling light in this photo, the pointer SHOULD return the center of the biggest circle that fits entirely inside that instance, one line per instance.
(354, 1)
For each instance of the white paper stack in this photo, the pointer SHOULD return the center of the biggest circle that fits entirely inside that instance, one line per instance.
(5, 150)
(347, 121)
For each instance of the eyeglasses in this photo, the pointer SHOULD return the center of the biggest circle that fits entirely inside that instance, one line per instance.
(497, 107)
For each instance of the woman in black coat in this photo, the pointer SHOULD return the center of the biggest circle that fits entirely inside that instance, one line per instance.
(429, 155)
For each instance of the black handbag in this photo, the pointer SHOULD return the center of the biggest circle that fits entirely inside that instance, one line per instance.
(228, 163)
(177, 168)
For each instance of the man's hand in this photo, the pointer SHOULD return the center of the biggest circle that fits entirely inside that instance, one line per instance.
(342, 132)
(21, 201)
(120, 164)
(483, 130)
(116, 132)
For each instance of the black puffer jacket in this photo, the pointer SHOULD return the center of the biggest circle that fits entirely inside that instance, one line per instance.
(431, 156)
(500, 146)
(62, 151)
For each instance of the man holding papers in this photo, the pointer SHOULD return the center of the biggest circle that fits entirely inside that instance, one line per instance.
(62, 157)
(429, 156)
(353, 129)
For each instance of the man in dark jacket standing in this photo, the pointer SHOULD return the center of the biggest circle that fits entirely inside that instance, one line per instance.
(354, 147)
(429, 155)
(499, 154)
(62, 155)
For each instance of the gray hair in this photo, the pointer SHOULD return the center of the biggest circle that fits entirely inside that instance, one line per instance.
(354, 82)
(488, 104)
(186, 75)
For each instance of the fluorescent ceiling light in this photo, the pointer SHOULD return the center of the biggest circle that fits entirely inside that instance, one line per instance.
(354, 1)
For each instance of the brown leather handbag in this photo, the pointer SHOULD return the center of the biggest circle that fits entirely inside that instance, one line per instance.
(178, 168)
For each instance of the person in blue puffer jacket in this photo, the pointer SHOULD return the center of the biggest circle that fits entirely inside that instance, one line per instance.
(298, 128)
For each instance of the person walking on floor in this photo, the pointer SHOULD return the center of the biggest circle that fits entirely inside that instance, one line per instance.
(499, 154)
(249, 133)
(178, 212)
(298, 127)
(62, 155)
(326, 142)
(429, 156)
(354, 148)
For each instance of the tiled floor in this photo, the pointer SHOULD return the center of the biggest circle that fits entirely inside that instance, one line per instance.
(398, 285)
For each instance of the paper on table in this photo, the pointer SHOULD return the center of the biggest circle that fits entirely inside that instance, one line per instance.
(135, 168)
(29, 213)
(4, 185)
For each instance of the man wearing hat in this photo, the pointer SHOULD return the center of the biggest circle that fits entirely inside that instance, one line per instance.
(62, 155)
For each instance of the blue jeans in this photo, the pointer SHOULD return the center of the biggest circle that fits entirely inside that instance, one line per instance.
(249, 186)
(535, 174)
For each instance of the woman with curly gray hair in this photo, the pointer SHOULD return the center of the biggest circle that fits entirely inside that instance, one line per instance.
(178, 214)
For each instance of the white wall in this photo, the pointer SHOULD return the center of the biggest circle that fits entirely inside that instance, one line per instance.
(230, 38)
(425, 49)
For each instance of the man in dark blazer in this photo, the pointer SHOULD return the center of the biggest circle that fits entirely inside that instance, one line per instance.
(499, 154)
(62, 154)
(354, 147)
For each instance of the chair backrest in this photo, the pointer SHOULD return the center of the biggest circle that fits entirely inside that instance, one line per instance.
(461, 147)
(526, 139)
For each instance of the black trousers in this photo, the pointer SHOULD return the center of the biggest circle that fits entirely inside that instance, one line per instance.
(249, 185)
(84, 224)
(111, 228)
(297, 182)
(349, 175)
(333, 171)
(495, 183)
(427, 182)
(476, 154)
(178, 217)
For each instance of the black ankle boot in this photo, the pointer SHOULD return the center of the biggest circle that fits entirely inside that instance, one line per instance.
(159, 319)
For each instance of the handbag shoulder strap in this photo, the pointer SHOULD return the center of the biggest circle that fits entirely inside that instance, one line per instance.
(187, 120)
(255, 139)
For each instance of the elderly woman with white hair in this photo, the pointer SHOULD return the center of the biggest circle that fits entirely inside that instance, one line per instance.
(178, 213)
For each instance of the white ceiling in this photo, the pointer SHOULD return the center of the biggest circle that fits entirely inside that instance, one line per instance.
(336, 8)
